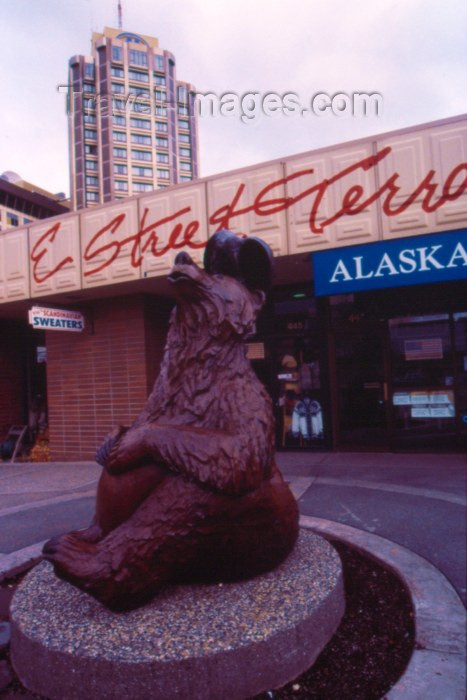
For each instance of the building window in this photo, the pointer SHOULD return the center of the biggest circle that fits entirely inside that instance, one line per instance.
(160, 95)
(159, 80)
(89, 134)
(162, 158)
(141, 139)
(119, 136)
(140, 171)
(138, 75)
(161, 126)
(12, 219)
(89, 118)
(183, 109)
(120, 169)
(182, 94)
(139, 58)
(88, 87)
(117, 72)
(92, 196)
(92, 181)
(185, 166)
(184, 152)
(89, 71)
(118, 121)
(183, 124)
(162, 142)
(161, 111)
(118, 104)
(142, 186)
(140, 123)
(26, 220)
(159, 63)
(184, 138)
(138, 91)
(118, 88)
(141, 155)
(90, 150)
(142, 106)
(185, 178)
(91, 165)
(117, 53)
(121, 185)
(163, 174)
(119, 152)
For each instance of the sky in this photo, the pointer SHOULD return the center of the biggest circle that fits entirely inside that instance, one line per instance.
(411, 54)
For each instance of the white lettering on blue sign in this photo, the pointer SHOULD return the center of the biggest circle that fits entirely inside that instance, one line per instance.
(406, 262)
(422, 259)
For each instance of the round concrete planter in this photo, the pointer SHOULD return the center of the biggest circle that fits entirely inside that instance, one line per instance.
(192, 642)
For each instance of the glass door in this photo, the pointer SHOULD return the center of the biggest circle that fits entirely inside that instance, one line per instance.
(361, 385)
(423, 387)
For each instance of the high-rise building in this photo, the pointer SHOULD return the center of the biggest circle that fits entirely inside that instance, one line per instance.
(132, 124)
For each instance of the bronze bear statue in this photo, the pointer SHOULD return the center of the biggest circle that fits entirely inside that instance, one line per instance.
(191, 491)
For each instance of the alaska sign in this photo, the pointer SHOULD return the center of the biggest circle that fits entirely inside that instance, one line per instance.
(405, 261)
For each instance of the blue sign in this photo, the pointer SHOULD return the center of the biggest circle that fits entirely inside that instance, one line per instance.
(436, 257)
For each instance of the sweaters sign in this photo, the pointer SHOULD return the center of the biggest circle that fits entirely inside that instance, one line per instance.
(398, 263)
(45, 319)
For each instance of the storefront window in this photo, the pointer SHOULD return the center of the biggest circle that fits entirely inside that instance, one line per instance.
(297, 370)
(460, 344)
(299, 404)
(423, 381)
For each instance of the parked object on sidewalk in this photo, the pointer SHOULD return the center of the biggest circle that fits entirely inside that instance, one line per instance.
(13, 443)
(191, 491)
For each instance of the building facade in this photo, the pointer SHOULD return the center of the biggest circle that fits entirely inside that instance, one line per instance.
(132, 125)
(362, 343)
(21, 202)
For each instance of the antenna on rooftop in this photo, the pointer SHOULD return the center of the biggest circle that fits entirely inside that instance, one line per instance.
(119, 14)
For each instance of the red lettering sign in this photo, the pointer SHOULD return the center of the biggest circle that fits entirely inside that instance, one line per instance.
(39, 250)
(267, 202)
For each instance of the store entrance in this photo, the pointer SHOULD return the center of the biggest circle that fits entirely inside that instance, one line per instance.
(361, 361)
(425, 381)
(399, 382)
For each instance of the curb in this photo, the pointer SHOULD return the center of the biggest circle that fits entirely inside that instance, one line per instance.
(17, 562)
(436, 669)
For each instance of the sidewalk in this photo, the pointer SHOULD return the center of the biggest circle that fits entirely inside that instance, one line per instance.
(416, 500)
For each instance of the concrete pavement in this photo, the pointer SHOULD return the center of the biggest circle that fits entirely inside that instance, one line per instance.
(417, 501)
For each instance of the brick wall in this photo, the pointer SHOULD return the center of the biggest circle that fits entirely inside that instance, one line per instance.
(12, 374)
(157, 314)
(99, 378)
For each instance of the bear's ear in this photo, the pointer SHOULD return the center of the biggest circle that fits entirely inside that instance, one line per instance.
(255, 262)
(221, 254)
(248, 260)
(259, 297)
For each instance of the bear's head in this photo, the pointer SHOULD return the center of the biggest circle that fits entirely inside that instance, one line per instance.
(229, 293)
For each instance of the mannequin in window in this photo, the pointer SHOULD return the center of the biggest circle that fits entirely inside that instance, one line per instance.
(307, 418)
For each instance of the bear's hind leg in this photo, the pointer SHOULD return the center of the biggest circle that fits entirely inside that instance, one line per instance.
(129, 565)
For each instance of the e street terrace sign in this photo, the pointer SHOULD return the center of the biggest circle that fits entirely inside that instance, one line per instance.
(46, 319)
(440, 257)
